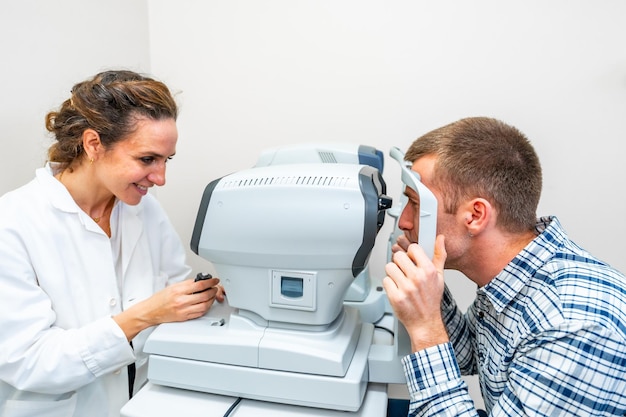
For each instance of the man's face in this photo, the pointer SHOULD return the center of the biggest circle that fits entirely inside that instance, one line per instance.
(409, 220)
(449, 224)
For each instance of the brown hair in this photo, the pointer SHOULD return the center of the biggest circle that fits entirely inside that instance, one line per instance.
(110, 104)
(486, 158)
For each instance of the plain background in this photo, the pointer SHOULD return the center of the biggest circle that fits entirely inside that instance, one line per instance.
(252, 74)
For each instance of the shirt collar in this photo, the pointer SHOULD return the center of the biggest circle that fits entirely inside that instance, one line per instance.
(505, 286)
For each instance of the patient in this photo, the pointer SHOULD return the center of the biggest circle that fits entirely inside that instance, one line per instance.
(546, 333)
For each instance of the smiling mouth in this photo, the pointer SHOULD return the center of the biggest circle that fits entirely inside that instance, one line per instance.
(141, 187)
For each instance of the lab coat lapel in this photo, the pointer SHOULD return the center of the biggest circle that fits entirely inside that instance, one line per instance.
(133, 228)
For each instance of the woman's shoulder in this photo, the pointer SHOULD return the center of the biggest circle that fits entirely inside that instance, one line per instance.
(24, 193)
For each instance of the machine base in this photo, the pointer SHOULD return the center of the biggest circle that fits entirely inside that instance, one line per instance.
(310, 390)
(158, 401)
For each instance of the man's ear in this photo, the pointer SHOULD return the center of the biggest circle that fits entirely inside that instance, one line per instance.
(91, 144)
(477, 214)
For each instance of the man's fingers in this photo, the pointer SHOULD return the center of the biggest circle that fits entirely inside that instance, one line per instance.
(440, 255)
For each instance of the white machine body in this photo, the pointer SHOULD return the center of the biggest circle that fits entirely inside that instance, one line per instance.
(322, 153)
(371, 304)
(287, 241)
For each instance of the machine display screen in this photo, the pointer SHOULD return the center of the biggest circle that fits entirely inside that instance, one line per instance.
(291, 287)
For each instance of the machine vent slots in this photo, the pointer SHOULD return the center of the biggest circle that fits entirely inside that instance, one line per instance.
(327, 157)
(329, 181)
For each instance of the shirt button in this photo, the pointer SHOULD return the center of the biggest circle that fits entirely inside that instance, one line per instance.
(117, 372)
(112, 302)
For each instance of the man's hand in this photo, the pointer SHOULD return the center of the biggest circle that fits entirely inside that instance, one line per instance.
(414, 286)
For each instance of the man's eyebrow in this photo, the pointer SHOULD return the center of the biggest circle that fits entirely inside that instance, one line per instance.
(413, 197)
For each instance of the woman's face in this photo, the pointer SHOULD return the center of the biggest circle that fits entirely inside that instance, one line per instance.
(138, 162)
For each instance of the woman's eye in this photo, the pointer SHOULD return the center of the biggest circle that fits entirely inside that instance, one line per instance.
(148, 160)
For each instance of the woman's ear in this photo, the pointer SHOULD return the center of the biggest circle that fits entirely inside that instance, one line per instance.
(91, 144)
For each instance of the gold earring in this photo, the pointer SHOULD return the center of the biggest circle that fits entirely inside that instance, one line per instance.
(91, 160)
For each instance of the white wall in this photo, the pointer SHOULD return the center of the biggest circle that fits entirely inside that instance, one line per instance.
(252, 75)
(46, 46)
(256, 74)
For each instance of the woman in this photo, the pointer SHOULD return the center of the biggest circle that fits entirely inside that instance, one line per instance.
(90, 261)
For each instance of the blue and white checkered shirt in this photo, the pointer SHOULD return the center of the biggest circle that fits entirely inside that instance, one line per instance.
(547, 337)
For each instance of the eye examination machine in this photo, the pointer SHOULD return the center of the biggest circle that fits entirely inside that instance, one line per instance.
(300, 330)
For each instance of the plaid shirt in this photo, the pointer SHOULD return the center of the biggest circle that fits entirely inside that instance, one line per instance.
(547, 337)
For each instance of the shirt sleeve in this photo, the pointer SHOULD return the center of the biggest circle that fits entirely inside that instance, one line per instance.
(460, 332)
(569, 371)
(435, 384)
(37, 356)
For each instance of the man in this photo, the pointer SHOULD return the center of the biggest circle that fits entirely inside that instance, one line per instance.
(547, 331)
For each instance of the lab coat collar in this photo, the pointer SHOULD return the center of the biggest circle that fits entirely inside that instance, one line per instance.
(129, 217)
(57, 194)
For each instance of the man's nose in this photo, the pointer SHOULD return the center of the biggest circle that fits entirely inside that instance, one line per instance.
(405, 222)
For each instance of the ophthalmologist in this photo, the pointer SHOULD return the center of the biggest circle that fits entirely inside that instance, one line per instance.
(89, 261)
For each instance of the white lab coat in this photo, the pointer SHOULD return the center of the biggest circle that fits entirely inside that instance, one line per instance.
(61, 353)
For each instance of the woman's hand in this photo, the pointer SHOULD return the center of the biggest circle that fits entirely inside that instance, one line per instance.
(182, 301)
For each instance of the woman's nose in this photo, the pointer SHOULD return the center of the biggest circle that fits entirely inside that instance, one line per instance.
(157, 176)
